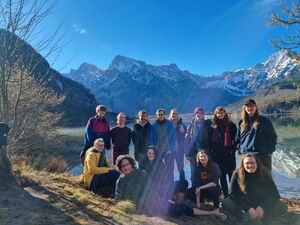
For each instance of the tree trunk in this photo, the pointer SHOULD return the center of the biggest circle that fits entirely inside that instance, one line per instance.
(6, 174)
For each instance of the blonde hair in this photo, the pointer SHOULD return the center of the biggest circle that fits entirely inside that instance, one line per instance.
(97, 141)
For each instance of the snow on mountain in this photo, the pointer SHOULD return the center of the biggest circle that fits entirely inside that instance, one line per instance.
(280, 65)
(129, 82)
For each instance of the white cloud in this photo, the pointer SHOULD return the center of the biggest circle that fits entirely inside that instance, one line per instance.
(79, 29)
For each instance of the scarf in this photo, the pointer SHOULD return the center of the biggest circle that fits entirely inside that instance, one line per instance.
(102, 162)
(227, 138)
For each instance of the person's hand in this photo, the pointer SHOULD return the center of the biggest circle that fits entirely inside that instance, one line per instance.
(260, 212)
(253, 214)
(181, 128)
(198, 190)
(188, 158)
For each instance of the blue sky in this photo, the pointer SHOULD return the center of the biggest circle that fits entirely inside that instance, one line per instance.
(203, 37)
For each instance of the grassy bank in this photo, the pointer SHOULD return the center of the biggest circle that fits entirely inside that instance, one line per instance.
(49, 198)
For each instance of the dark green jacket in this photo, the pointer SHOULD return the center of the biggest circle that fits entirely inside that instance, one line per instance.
(132, 187)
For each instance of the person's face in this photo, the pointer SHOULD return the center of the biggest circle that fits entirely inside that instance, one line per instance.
(160, 115)
(126, 167)
(250, 164)
(143, 117)
(121, 119)
(220, 114)
(179, 197)
(99, 146)
(151, 154)
(250, 109)
(100, 112)
(174, 115)
(203, 158)
(199, 115)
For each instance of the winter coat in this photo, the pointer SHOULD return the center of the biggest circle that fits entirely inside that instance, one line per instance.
(196, 138)
(91, 166)
(97, 128)
(140, 139)
(224, 156)
(260, 191)
(263, 140)
(171, 135)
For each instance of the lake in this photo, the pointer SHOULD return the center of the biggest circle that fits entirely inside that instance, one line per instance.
(286, 158)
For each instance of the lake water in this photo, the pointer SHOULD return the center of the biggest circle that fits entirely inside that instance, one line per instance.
(286, 159)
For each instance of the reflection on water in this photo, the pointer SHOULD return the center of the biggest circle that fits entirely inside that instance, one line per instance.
(286, 159)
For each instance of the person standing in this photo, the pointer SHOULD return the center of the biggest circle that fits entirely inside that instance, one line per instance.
(97, 127)
(140, 136)
(163, 135)
(223, 145)
(120, 137)
(197, 137)
(180, 139)
(256, 134)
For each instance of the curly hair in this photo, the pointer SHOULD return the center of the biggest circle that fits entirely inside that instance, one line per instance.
(131, 161)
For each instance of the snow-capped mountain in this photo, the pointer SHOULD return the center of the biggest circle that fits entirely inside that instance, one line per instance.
(129, 85)
(281, 65)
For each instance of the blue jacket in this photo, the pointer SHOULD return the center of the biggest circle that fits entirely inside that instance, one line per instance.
(263, 140)
(171, 135)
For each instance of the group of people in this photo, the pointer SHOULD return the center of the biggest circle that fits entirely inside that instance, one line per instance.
(210, 146)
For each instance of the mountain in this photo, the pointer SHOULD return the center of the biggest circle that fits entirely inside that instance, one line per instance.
(79, 103)
(129, 85)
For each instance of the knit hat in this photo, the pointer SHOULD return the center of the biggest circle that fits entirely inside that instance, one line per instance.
(198, 109)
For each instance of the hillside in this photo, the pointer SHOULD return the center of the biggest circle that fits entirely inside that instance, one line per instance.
(281, 97)
(58, 199)
(79, 103)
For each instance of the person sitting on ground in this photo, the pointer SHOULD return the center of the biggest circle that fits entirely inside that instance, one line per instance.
(132, 183)
(207, 175)
(99, 174)
(151, 163)
(253, 192)
(177, 206)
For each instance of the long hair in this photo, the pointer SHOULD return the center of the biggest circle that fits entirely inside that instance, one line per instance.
(261, 170)
(245, 117)
(216, 122)
(210, 163)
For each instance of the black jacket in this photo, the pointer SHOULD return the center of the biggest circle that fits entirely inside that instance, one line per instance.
(260, 191)
(263, 140)
(224, 156)
(140, 139)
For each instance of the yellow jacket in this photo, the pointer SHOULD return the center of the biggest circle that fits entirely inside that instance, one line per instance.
(91, 168)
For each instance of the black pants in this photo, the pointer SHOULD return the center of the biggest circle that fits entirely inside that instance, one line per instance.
(235, 204)
(212, 193)
(224, 184)
(105, 184)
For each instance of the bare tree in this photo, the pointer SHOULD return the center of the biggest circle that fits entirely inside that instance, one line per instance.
(289, 16)
(25, 102)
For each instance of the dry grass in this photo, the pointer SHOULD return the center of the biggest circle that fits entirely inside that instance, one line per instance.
(67, 202)
(56, 165)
